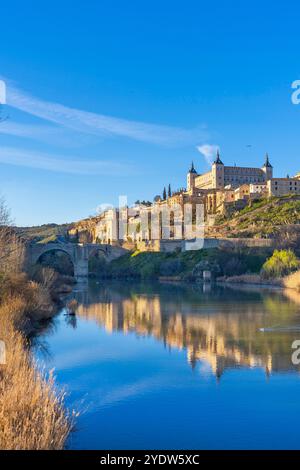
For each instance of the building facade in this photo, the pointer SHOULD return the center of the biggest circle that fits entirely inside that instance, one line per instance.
(283, 186)
(181, 214)
(222, 176)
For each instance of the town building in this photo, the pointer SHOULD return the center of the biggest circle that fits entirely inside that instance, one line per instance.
(181, 214)
(283, 186)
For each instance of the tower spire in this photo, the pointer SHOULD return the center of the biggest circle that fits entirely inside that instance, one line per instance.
(218, 160)
(192, 170)
(267, 162)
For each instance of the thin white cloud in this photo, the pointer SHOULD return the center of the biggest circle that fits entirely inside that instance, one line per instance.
(61, 164)
(26, 130)
(208, 151)
(51, 134)
(102, 125)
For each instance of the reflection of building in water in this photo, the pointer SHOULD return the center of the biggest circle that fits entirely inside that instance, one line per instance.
(221, 338)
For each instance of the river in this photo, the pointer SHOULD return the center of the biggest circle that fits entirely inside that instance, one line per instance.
(173, 366)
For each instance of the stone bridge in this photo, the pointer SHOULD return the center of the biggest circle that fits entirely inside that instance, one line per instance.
(78, 253)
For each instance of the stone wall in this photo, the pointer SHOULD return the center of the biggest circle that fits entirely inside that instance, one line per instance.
(170, 246)
(163, 246)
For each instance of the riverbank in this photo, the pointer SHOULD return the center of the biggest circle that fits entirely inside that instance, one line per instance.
(253, 279)
(32, 412)
(287, 282)
(188, 265)
(260, 267)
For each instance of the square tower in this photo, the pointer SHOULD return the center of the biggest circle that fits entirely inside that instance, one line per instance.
(217, 173)
(190, 179)
(267, 169)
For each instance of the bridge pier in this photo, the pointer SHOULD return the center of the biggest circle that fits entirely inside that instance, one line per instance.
(81, 269)
(81, 261)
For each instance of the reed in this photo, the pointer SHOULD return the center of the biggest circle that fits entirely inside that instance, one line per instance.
(292, 281)
(32, 412)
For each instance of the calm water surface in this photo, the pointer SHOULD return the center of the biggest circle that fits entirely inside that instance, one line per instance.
(175, 366)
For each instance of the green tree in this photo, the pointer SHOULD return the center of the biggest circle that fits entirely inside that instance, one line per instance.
(280, 264)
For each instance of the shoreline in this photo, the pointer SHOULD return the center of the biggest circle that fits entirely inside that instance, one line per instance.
(251, 280)
(25, 306)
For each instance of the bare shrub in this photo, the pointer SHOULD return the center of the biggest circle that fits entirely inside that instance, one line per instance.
(36, 297)
(32, 415)
(287, 237)
(45, 276)
(11, 247)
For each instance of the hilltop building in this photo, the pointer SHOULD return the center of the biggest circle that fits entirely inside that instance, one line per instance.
(222, 190)
(220, 176)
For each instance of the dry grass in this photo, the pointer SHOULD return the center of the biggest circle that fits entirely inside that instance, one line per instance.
(292, 281)
(250, 279)
(293, 295)
(242, 279)
(32, 415)
(37, 302)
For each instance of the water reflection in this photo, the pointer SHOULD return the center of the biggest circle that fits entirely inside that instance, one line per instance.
(220, 327)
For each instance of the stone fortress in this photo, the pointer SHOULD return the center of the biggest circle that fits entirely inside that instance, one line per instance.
(222, 190)
(231, 177)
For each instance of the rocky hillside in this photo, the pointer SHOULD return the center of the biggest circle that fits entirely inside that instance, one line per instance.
(44, 233)
(266, 218)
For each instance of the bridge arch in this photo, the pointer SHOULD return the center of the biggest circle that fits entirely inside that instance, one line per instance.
(97, 261)
(58, 258)
(78, 253)
(93, 251)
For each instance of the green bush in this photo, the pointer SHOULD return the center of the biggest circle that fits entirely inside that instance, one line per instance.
(98, 266)
(281, 263)
(235, 266)
(171, 267)
(149, 271)
(188, 264)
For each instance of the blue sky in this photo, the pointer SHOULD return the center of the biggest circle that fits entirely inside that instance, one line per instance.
(108, 97)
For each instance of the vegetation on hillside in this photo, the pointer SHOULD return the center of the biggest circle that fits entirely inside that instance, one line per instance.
(261, 218)
(186, 265)
(44, 233)
(266, 218)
